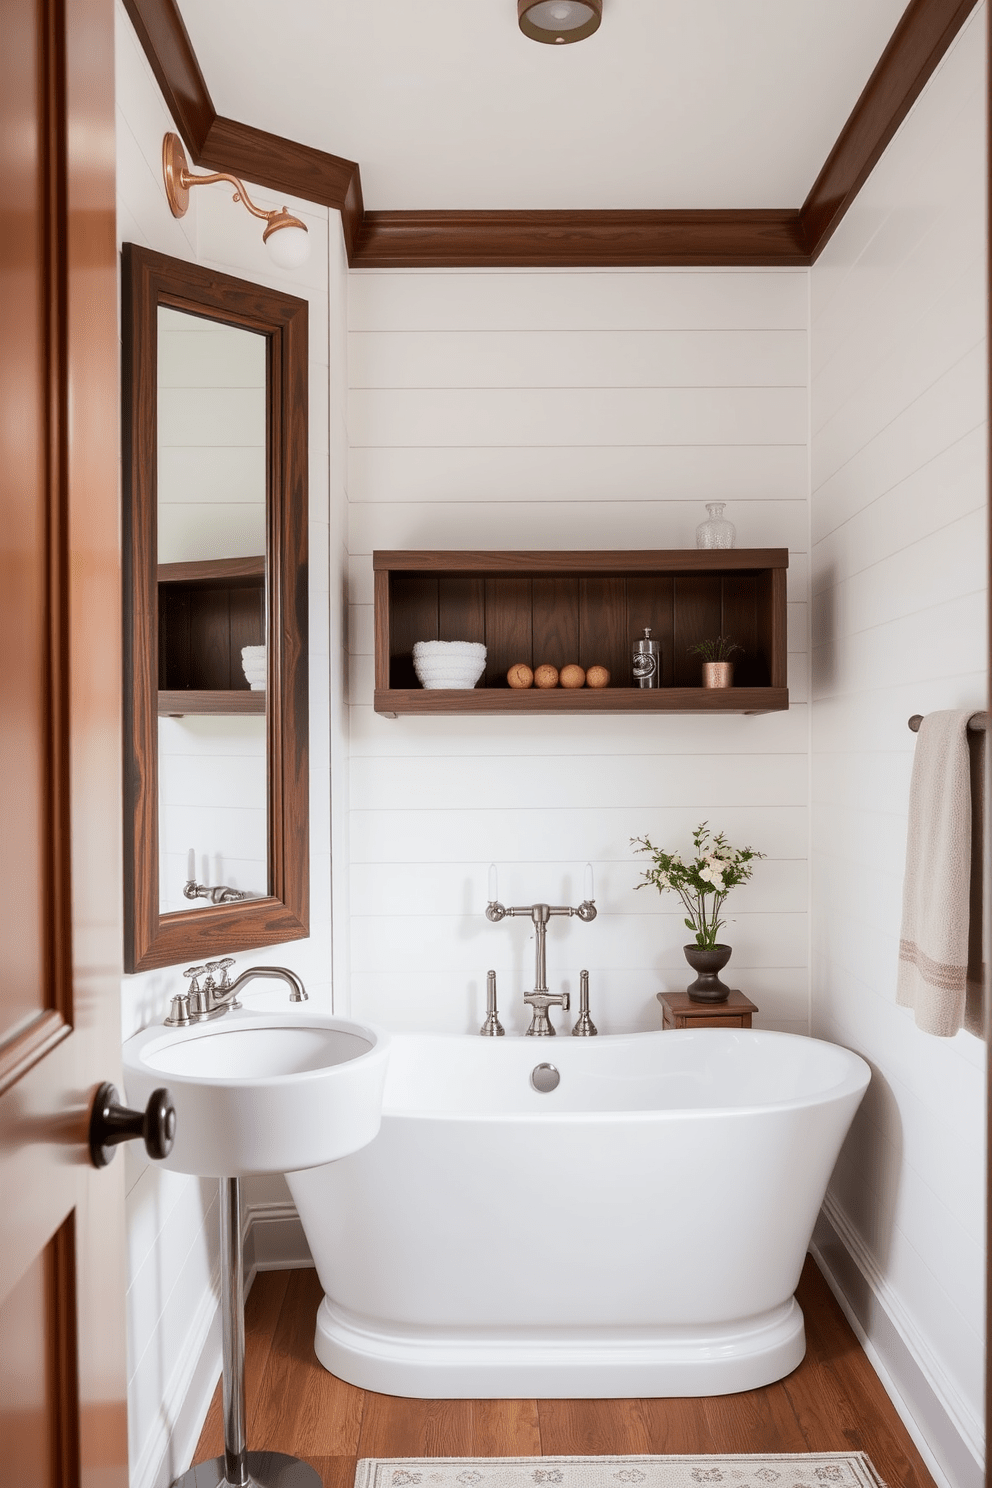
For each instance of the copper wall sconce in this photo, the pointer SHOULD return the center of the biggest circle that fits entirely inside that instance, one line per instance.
(285, 236)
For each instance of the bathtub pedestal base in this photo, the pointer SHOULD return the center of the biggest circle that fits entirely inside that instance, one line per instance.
(634, 1363)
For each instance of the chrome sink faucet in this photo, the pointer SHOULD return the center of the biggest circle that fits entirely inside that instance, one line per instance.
(218, 992)
(540, 999)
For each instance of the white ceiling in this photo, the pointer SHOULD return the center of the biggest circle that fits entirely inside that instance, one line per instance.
(446, 104)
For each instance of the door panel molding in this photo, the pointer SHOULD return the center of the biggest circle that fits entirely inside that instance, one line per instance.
(62, 1222)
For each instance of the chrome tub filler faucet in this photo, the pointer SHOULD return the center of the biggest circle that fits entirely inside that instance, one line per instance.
(540, 999)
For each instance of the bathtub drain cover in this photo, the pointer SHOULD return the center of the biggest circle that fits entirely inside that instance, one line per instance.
(544, 1077)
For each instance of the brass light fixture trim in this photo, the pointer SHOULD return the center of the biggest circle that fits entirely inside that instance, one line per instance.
(557, 22)
(178, 180)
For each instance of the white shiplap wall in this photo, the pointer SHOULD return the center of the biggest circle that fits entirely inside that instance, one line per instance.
(899, 577)
(173, 1325)
(594, 409)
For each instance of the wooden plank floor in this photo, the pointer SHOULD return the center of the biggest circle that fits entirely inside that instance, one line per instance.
(832, 1402)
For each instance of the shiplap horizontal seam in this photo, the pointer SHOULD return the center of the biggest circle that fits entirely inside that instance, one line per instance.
(561, 387)
(620, 444)
(653, 918)
(856, 751)
(456, 811)
(908, 268)
(579, 330)
(634, 968)
(855, 573)
(863, 813)
(631, 756)
(548, 500)
(872, 374)
(627, 755)
(888, 490)
(845, 635)
(629, 862)
(900, 413)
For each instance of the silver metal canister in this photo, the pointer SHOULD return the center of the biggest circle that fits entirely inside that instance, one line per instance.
(647, 661)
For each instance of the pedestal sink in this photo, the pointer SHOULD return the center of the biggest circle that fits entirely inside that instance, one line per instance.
(262, 1092)
(257, 1093)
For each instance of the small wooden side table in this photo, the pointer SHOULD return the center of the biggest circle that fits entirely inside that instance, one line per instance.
(679, 1011)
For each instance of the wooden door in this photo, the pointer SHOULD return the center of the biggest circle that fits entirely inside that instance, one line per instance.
(62, 1371)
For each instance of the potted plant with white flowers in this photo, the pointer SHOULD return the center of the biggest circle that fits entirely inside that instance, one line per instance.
(702, 884)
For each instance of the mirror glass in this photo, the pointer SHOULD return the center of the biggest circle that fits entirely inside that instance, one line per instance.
(212, 604)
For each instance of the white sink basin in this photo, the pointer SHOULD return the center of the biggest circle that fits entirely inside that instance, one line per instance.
(262, 1092)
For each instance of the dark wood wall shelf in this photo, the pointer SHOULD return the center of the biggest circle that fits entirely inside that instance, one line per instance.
(588, 607)
(209, 700)
(206, 612)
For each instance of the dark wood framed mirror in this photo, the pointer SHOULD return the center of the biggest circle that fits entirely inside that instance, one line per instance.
(225, 568)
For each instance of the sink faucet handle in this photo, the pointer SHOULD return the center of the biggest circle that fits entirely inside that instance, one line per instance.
(198, 999)
(222, 982)
(179, 1012)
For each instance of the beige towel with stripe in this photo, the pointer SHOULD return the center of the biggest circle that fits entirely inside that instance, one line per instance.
(933, 947)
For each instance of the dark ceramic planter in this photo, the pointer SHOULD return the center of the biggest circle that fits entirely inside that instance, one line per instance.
(708, 964)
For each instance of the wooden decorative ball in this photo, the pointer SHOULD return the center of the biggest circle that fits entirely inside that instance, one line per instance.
(597, 676)
(572, 676)
(546, 676)
(520, 675)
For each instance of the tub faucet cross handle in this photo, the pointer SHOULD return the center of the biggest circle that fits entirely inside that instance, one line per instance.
(541, 1025)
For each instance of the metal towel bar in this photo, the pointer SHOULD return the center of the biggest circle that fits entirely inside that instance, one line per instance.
(978, 723)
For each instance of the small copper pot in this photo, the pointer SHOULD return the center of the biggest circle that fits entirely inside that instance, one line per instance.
(718, 674)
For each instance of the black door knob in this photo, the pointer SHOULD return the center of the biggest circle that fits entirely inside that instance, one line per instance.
(111, 1123)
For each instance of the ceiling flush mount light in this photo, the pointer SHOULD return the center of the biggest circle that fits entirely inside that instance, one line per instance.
(559, 21)
(286, 237)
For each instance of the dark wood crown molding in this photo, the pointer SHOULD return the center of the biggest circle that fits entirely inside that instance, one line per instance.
(283, 165)
(165, 42)
(576, 239)
(916, 48)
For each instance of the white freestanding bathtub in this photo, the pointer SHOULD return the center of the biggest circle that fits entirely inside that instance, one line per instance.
(637, 1231)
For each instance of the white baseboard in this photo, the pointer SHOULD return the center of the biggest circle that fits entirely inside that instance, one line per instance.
(942, 1424)
(273, 1241)
(274, 1238)
(168, 1448)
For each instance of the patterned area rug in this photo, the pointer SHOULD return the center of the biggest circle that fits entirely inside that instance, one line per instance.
(788, 1470)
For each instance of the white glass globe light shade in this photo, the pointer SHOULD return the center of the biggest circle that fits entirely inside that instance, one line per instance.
(559, 15)
(289, 247)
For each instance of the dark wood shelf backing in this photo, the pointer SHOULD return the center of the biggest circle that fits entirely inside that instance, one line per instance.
(176, 704)
(589, 607)
(208, 610)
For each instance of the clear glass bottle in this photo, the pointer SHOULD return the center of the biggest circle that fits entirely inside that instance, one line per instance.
(716, 531)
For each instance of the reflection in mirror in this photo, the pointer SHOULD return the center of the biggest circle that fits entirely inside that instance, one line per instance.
(211, 510)
(216, 756)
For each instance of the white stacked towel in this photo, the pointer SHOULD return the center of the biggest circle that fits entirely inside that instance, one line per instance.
(254, 665)
(933, 947)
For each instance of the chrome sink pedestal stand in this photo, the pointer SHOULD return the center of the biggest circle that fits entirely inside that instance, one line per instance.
(239, 1468)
